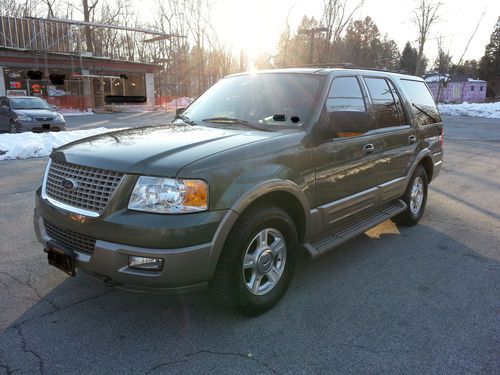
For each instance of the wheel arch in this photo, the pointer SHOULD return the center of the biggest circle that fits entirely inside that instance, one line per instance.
(285, 194)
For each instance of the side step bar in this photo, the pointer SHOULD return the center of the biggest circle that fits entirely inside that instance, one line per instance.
(325, 243)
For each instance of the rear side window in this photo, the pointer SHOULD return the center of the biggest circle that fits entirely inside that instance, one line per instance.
(423, 105)
(345, 95)
(386, 103)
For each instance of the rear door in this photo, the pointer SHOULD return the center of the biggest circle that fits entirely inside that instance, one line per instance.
(399, 136)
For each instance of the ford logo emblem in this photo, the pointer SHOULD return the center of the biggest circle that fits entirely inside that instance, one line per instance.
(68, 184)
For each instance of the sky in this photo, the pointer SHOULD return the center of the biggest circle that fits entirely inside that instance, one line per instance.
(255, 25)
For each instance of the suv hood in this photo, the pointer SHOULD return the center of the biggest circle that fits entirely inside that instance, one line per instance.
(157, 151)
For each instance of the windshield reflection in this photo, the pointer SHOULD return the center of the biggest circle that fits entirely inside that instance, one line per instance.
(266, 99)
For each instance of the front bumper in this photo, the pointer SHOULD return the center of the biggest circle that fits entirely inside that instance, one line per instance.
(39, 126)
(186, 268)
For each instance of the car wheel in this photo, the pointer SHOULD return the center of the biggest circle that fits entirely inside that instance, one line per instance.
(415, 198)
(12, 127)
(257, 262)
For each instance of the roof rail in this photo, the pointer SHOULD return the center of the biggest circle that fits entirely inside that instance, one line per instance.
(346, 66)
(323, 65)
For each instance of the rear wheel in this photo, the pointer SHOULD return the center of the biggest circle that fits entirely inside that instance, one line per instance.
(415, 198)
(257, 261)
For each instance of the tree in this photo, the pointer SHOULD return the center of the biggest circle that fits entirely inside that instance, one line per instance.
(443, 60)
(468, 68)
(364, 46)
(408, 60)
(294, 50)
(424, 16)
(337, 14)
(489, 66)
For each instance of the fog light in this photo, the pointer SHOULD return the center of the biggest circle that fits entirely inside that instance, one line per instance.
(146, 264)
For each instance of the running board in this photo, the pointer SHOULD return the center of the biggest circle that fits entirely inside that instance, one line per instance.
(325, 243)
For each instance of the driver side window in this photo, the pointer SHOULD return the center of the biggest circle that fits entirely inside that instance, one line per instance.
(345, 95)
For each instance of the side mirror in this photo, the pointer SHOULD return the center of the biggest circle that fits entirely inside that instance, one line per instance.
(348, 122)
(178, 111)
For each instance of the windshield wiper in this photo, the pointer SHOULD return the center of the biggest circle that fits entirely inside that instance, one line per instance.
(230, 120)
(186, 119)
(425, 113)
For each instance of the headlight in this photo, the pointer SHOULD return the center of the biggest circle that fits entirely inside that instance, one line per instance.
(23, 117)
(59, 117)
(168, 195)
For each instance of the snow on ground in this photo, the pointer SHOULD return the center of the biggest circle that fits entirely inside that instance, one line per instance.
(35, 145)
(487, 110)
(72, 112)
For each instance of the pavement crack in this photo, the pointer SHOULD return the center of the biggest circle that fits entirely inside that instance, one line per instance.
(7, 369)
(29, 285)
(186, 357)
(24, 347)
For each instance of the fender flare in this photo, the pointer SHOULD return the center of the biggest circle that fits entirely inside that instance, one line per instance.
(244, 202)
(420, 156)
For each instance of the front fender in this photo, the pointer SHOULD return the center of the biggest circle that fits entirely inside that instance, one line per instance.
(238, 207)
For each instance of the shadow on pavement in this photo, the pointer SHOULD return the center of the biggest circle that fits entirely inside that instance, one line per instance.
(382, 303)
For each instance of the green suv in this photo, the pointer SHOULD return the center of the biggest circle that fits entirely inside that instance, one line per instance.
(260, 167)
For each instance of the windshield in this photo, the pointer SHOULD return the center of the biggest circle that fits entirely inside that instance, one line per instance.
(28, 103)
(267, 99)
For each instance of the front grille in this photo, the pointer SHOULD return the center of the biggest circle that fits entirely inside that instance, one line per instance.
(91, 190)
(69, 239)
(44, 118)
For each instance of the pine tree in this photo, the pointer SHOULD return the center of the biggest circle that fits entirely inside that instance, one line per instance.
(489, 66)
(408, 61)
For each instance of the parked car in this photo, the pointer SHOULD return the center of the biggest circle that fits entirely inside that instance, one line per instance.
(29, 113)
(258, 168)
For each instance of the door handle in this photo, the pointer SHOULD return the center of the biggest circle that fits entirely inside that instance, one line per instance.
(368, 148)
(412, 139)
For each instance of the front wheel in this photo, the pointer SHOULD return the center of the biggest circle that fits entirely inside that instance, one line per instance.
(257, 261)
(415, 198)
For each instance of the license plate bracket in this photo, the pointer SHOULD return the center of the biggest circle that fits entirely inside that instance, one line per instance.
(62, 259)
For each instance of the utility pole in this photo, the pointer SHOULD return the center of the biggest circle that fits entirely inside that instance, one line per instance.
(312, 33)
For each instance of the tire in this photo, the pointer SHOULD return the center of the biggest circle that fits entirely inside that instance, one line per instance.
(415, 198)
(247, 261)
(12, 127)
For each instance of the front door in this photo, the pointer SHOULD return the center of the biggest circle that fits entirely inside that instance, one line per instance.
(347, 166)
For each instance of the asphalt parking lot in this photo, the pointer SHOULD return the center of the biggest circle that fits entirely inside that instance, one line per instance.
(420, 300)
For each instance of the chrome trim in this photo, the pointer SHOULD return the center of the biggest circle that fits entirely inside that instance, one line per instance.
(438, 163)
(395, 181)
(61, 205)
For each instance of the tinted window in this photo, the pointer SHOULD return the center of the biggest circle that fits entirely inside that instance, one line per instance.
(386, 103)
(423, 105)
(345, 95)
(259, 98)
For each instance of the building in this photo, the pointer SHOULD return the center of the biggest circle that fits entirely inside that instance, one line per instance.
(46, 58)
(76, 83)
(456, 89)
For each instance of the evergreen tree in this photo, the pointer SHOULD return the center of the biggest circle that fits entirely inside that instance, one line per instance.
(489, 66)
(409, 57)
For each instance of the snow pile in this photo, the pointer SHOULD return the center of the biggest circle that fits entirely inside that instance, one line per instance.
(487, 110)
(181, 102)
(35, 145)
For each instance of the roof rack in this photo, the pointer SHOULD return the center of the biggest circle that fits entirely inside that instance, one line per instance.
(346, 66)
(324, 65)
